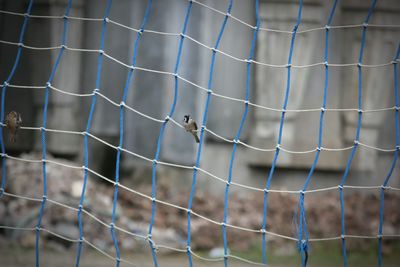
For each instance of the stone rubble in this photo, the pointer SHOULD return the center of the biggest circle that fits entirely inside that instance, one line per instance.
(170, 227)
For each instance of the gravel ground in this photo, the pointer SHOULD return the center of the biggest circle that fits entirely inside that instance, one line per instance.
(18, 258)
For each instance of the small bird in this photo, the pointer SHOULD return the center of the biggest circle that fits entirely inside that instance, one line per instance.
(13, 122)
(190, 126)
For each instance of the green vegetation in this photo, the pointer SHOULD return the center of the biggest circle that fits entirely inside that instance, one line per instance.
(327, 254)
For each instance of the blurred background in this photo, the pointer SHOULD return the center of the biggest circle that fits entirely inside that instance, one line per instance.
(152, 93)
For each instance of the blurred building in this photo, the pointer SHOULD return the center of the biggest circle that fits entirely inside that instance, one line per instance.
(152, 93)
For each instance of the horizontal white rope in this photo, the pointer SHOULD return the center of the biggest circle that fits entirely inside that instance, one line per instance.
(389, 26)
(291, 31)
(183, 208)
(69, 240)
(205, 128)
(194, 84)
(60, 236)
(142, 237)
(160, 246)
(211, 175)
(211, 48)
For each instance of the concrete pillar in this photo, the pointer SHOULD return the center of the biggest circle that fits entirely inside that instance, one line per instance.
(378, 128)
(63, 110)
(16, 99)
(118, 43)
(153, 94)
(229, 75)
(306, 86)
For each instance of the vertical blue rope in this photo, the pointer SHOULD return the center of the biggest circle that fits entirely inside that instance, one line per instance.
(301, 227)
(88, 125)
(276, 155)
(395, 157)
(353, 151)
(161, 135)
(204, 122)
(121, 129)
(43, 132)
(3, 96)
(239, 131)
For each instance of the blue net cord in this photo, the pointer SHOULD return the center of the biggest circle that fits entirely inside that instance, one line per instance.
(239, 131)
(276, 155)
(88, 125)
(302, 233)
(3, 96)
(353, 151)
(121, 129)
(161, 135)
(204, 122)
(43, 132)
(395, 157)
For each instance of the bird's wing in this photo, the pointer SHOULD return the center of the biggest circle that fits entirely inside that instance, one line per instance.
(195, 125)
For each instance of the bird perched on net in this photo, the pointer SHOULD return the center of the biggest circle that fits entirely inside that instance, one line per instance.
(13, 122)
(190, 126)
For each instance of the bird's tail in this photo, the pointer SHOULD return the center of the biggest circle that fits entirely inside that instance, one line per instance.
(196, 137)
